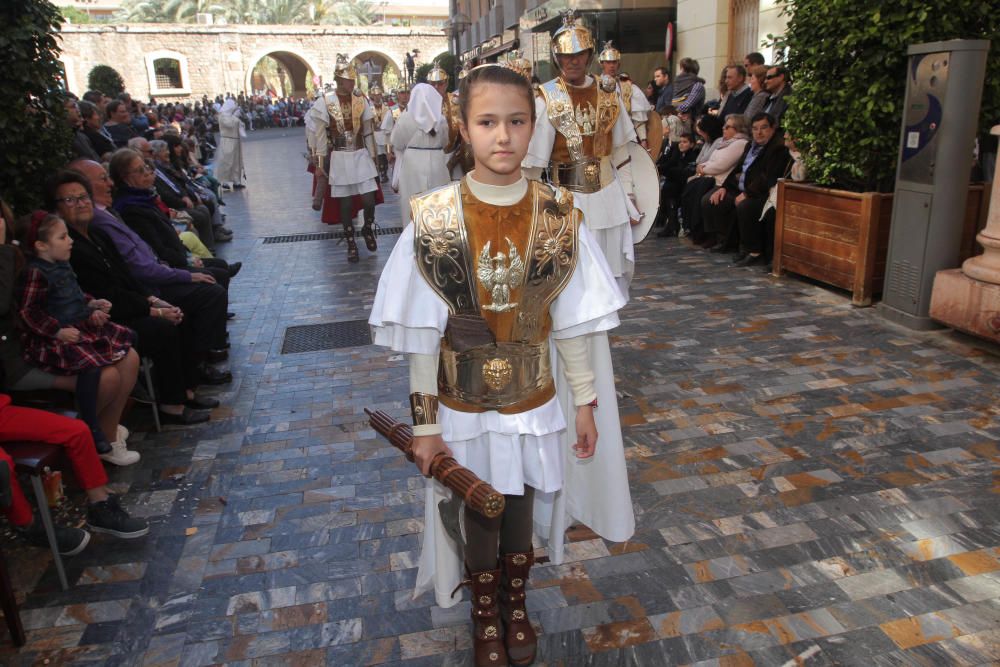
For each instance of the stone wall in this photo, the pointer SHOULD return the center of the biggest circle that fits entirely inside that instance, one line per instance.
(219, 59)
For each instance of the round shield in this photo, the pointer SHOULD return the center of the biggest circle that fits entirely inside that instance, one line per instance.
(646, 188)
(654, 135)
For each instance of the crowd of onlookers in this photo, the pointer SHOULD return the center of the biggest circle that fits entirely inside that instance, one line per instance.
(113, 282)
(722, 158)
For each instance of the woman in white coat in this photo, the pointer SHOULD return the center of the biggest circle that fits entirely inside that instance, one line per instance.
(418, 140)
(228, 168)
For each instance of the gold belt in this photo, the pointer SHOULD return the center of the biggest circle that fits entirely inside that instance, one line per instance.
(507, 377)
(587, 176)
(342, 142)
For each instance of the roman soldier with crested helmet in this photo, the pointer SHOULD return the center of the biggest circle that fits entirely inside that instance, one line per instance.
(581, 137)
(380, 111)
(343, 144)
(635, 102)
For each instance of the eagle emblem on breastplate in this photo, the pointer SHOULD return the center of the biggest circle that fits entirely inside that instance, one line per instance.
(498, 276)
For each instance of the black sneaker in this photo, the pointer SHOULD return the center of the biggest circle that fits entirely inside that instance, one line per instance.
(108, 516)
(69, 541)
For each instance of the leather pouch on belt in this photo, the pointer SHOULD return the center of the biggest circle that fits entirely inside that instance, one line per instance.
(465, 332)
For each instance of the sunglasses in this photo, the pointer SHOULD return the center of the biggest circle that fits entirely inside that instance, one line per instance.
(773, 76)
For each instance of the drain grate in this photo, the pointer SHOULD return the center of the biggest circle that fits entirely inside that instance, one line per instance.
(326, 236)
(328, 336)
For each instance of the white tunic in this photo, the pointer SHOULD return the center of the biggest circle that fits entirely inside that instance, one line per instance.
(420, 160)
(607, 212)
(533, 447)
(351, 172)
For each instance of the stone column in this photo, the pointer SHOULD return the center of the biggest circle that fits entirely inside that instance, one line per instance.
(986, 267)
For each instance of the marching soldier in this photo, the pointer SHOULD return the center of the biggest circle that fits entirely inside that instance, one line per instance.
(343, 145)
(388, 122)
(581, 137)
(453, 153)
(380, 111)
(635, 102)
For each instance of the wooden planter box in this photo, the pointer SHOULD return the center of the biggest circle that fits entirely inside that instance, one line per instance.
(841, 238)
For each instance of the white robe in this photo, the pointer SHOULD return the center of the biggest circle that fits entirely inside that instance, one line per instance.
(533, 447)
(420, 160)
(229, 156)
(607, 212)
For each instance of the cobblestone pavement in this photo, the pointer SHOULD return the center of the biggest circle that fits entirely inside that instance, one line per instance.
(812, 486)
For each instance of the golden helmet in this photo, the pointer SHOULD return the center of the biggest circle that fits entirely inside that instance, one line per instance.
(610, 54)
(464, 72)
(437, 75)
(572, 37)
(517, 62)
(344, 69)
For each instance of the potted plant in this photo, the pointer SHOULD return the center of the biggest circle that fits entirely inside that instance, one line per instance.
(847, 62)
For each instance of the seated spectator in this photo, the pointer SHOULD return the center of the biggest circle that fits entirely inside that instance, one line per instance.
(738, 93)
(725, 155)
(101, 271)
(68, 332)
(778, 88)
(675, 167)
(195, 292)
(81, 146)
(752, 60)
(738, 204)
(709, 130)
(104, 511)
(176, 166)
(119, 123)
(18, 375)
(93, 126)
(689, 88)
(757, 80)
(98, 99)
(173, 191)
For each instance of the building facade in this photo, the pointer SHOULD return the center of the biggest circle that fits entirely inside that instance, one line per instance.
(714, 32)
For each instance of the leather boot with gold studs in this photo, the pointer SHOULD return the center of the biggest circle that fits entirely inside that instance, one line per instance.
(487, 638)
(368, 232)
(519, 636)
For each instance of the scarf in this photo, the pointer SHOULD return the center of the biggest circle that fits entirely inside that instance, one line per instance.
(128, 196)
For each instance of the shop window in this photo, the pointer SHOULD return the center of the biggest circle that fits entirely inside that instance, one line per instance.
(744, 16)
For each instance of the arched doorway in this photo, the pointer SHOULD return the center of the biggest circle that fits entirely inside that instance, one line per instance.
(376, 68)
(280, 73)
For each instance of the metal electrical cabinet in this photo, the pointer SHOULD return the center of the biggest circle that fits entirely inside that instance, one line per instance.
(944, 88)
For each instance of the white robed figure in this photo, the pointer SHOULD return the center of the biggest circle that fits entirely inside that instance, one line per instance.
(228, 168)
(418, 139)
(528, 448)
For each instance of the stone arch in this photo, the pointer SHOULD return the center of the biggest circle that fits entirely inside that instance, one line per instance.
(167, 73)
(376, 67)
(299, 65)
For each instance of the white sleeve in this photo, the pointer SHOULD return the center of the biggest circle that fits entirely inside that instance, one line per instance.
(542, 139)
(623, 131)
(423, 380)
(407, 316)
(575, 357)
(591, 300)
(402, 133)
(319, 120)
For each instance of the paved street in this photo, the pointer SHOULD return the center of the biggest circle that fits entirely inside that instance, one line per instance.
(811, 485)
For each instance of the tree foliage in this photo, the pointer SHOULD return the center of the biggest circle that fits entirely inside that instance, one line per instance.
(848, 67)
(257, 12)
(106, 79)
(34, 135)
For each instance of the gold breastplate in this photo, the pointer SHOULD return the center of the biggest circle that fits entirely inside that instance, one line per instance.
(505, 264)
(584, 119)
(344, 130)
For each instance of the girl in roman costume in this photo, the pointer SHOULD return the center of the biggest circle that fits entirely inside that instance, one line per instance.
(500, 296)
(418, 140)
